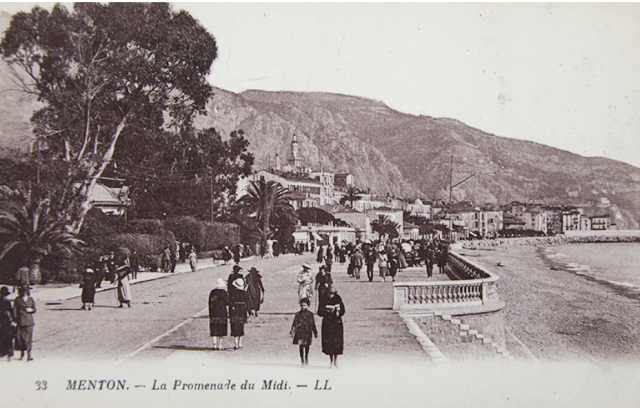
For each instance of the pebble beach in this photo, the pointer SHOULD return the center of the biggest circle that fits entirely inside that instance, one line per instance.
(560, 312)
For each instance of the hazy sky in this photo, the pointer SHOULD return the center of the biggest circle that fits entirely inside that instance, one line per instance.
(565, 75)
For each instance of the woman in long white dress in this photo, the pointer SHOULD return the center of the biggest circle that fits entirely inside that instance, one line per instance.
(305, 281)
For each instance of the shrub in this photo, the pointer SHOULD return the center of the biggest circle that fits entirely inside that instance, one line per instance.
(143, 243)
(220, 234)
(147, 227)
(188, 229)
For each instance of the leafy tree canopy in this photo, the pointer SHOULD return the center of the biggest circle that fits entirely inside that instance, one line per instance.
(106, 72)
(192, 173)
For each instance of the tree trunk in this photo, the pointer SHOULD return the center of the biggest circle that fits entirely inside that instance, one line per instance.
(88, 184)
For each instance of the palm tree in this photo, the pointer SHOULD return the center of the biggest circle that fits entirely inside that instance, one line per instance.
(31, 227)
(264, 200)
(385, 227)
(351, 195)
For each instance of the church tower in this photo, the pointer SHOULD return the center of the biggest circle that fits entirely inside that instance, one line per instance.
(295, 161)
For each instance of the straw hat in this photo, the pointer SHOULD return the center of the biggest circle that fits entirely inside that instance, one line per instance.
(238, 284)
(220, 284)
(306, 265)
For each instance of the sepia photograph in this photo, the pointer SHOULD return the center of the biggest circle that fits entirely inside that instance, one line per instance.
(320, 204)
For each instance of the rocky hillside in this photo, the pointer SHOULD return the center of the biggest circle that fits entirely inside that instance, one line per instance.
(324, 142)
(390, 151)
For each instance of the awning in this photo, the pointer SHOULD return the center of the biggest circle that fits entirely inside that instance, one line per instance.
(316, 236)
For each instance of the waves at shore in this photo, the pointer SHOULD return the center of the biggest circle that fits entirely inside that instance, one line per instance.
(612, 258)
(617, 263)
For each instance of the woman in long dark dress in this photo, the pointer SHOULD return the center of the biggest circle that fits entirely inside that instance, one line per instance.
(255, 291)
(236, 286)
(323, 281)
(24, 307)
(332, 309)
(218, 314)
(88, 286)
(7, 329)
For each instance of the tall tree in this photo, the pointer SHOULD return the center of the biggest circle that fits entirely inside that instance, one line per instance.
(267, 201)
(351, 195)
(106, 72)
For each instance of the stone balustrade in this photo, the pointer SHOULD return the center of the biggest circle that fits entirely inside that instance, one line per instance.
(472, 290)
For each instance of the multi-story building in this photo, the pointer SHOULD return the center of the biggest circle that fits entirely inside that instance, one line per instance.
(419, 209)
(344, 180)
(600, 222)
(490, 222)
(535, 219)
(571, 219)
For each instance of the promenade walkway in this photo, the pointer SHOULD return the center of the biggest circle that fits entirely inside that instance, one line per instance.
(373, 331)
(168, 320)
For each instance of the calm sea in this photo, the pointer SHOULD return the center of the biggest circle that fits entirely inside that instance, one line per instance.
(618, 263)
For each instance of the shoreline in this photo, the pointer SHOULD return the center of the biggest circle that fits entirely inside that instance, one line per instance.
(559, 314)
(626, 236)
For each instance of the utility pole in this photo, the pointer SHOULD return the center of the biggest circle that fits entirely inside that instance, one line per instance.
(211, 191)
(451, 186)
(450, 197)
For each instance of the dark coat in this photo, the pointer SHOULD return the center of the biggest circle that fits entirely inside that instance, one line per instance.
(238, 306)
(322, 284)
(88, 286)
(255, 290)
(7, 332)
(218, 315)
(332, 310)
(303, 327)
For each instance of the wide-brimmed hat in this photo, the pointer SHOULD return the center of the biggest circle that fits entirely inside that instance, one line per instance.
(4, 291)
(306, 265)
(238, 284)
(253, 269)
(88, 270)
(220, 284)
(237, 268)
(305, 301)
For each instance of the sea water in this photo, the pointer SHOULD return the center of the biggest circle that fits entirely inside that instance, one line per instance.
(618, 263)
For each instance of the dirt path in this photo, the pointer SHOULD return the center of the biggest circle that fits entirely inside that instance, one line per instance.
(561, 316)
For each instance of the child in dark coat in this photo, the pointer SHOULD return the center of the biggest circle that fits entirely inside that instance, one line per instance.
(303, 326)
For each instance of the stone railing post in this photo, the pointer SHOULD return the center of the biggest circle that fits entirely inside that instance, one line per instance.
(484, 292)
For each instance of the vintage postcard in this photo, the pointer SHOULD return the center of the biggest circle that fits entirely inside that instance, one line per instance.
(320, 204)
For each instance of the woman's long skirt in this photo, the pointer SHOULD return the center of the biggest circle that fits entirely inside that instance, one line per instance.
(332, 337)
(218, 326)
(6, 339)
(24, 338)
(237, 318)
(124, 290)
(88, 294)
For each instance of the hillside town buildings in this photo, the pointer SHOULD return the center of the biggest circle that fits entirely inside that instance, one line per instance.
(324, 190)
